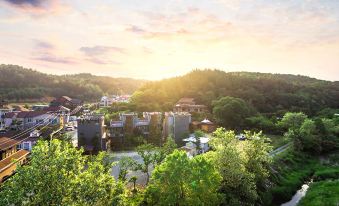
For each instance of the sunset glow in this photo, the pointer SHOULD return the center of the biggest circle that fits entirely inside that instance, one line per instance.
(158, 39)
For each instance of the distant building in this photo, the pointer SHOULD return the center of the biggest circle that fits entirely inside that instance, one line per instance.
(91, 133)
(10, 156)
(131, 124)
(27, 119)
(205, 125)
(189, 105)
(177, 125)
(66, 102)
(3, 111)
(107, 101)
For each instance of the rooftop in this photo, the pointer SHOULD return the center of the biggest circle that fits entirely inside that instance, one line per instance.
(7, 162)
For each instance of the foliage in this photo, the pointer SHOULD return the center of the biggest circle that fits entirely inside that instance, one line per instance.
(293, 120)
(146, 151)
(126, 164)
(231, 112)
(58, 174)
(183, 181)
(17, 83)
(243, 165)
(322, 193)
(268, 93)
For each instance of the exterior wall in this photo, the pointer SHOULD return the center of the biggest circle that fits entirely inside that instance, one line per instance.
(177, 125)
(10, 167)
(88, 130)
(181, 126)
(46, 118)
(8, 152)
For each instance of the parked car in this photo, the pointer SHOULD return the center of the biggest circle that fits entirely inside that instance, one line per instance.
(2, 131)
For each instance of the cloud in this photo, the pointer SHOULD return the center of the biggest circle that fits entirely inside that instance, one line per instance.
(39, 44)
(135, 29)
(48, 52)
(55, 59)
(100, 50)
(33, 3)
(38, 8)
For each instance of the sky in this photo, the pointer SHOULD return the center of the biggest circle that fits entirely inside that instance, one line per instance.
(154, 39)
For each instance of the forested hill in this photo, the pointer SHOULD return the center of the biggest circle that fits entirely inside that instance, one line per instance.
(268, 93)
(17, 83)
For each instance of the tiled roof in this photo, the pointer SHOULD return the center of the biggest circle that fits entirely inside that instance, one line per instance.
(10, 114)
(55, 108)
(7, 142)
(30, 114)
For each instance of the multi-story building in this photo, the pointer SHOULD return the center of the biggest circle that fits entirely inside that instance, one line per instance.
(10, 156)
(176, 124)
(131, 124)
(189, 105)
(91, 133)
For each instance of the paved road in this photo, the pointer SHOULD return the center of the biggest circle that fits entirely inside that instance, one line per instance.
(134, 155)
(280, 149)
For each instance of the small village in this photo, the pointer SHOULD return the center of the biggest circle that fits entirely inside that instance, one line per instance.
(22, 127)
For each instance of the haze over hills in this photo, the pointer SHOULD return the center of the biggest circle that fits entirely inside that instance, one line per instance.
(268, 93)
(18, 83)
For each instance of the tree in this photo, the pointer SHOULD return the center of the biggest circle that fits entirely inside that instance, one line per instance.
(125, 164)
(160, 153)
(183, 181)
(293, 120)
(231, 112)
(243, 165)
(198, 134)
(58, 174)
(146, 152)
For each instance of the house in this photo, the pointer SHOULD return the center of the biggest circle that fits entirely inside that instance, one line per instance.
(189, 105)
(176, 124)
(131, 124)
(66, 102)
(8, 119)
(29, 142)
(61, 110)
(3, 111)
(107, 101)
(29, 119)
(10, 156)
(26, 119)
(204, 146)
(91, 133)
(205, 125)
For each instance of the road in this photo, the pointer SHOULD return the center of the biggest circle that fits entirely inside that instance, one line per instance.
(134, 155)
(280, 149)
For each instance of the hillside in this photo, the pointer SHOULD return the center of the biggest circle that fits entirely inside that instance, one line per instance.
(19, 84)
(268, 93)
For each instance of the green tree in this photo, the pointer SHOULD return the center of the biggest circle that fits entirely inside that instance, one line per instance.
(293, 120)
(231, 112)
(183, 181)
(243, 165)
(146, 151)
(58, 174)
(126, 164)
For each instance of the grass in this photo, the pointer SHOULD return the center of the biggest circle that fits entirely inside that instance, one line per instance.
(293, 169)
(322, 193)
(277, 140)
